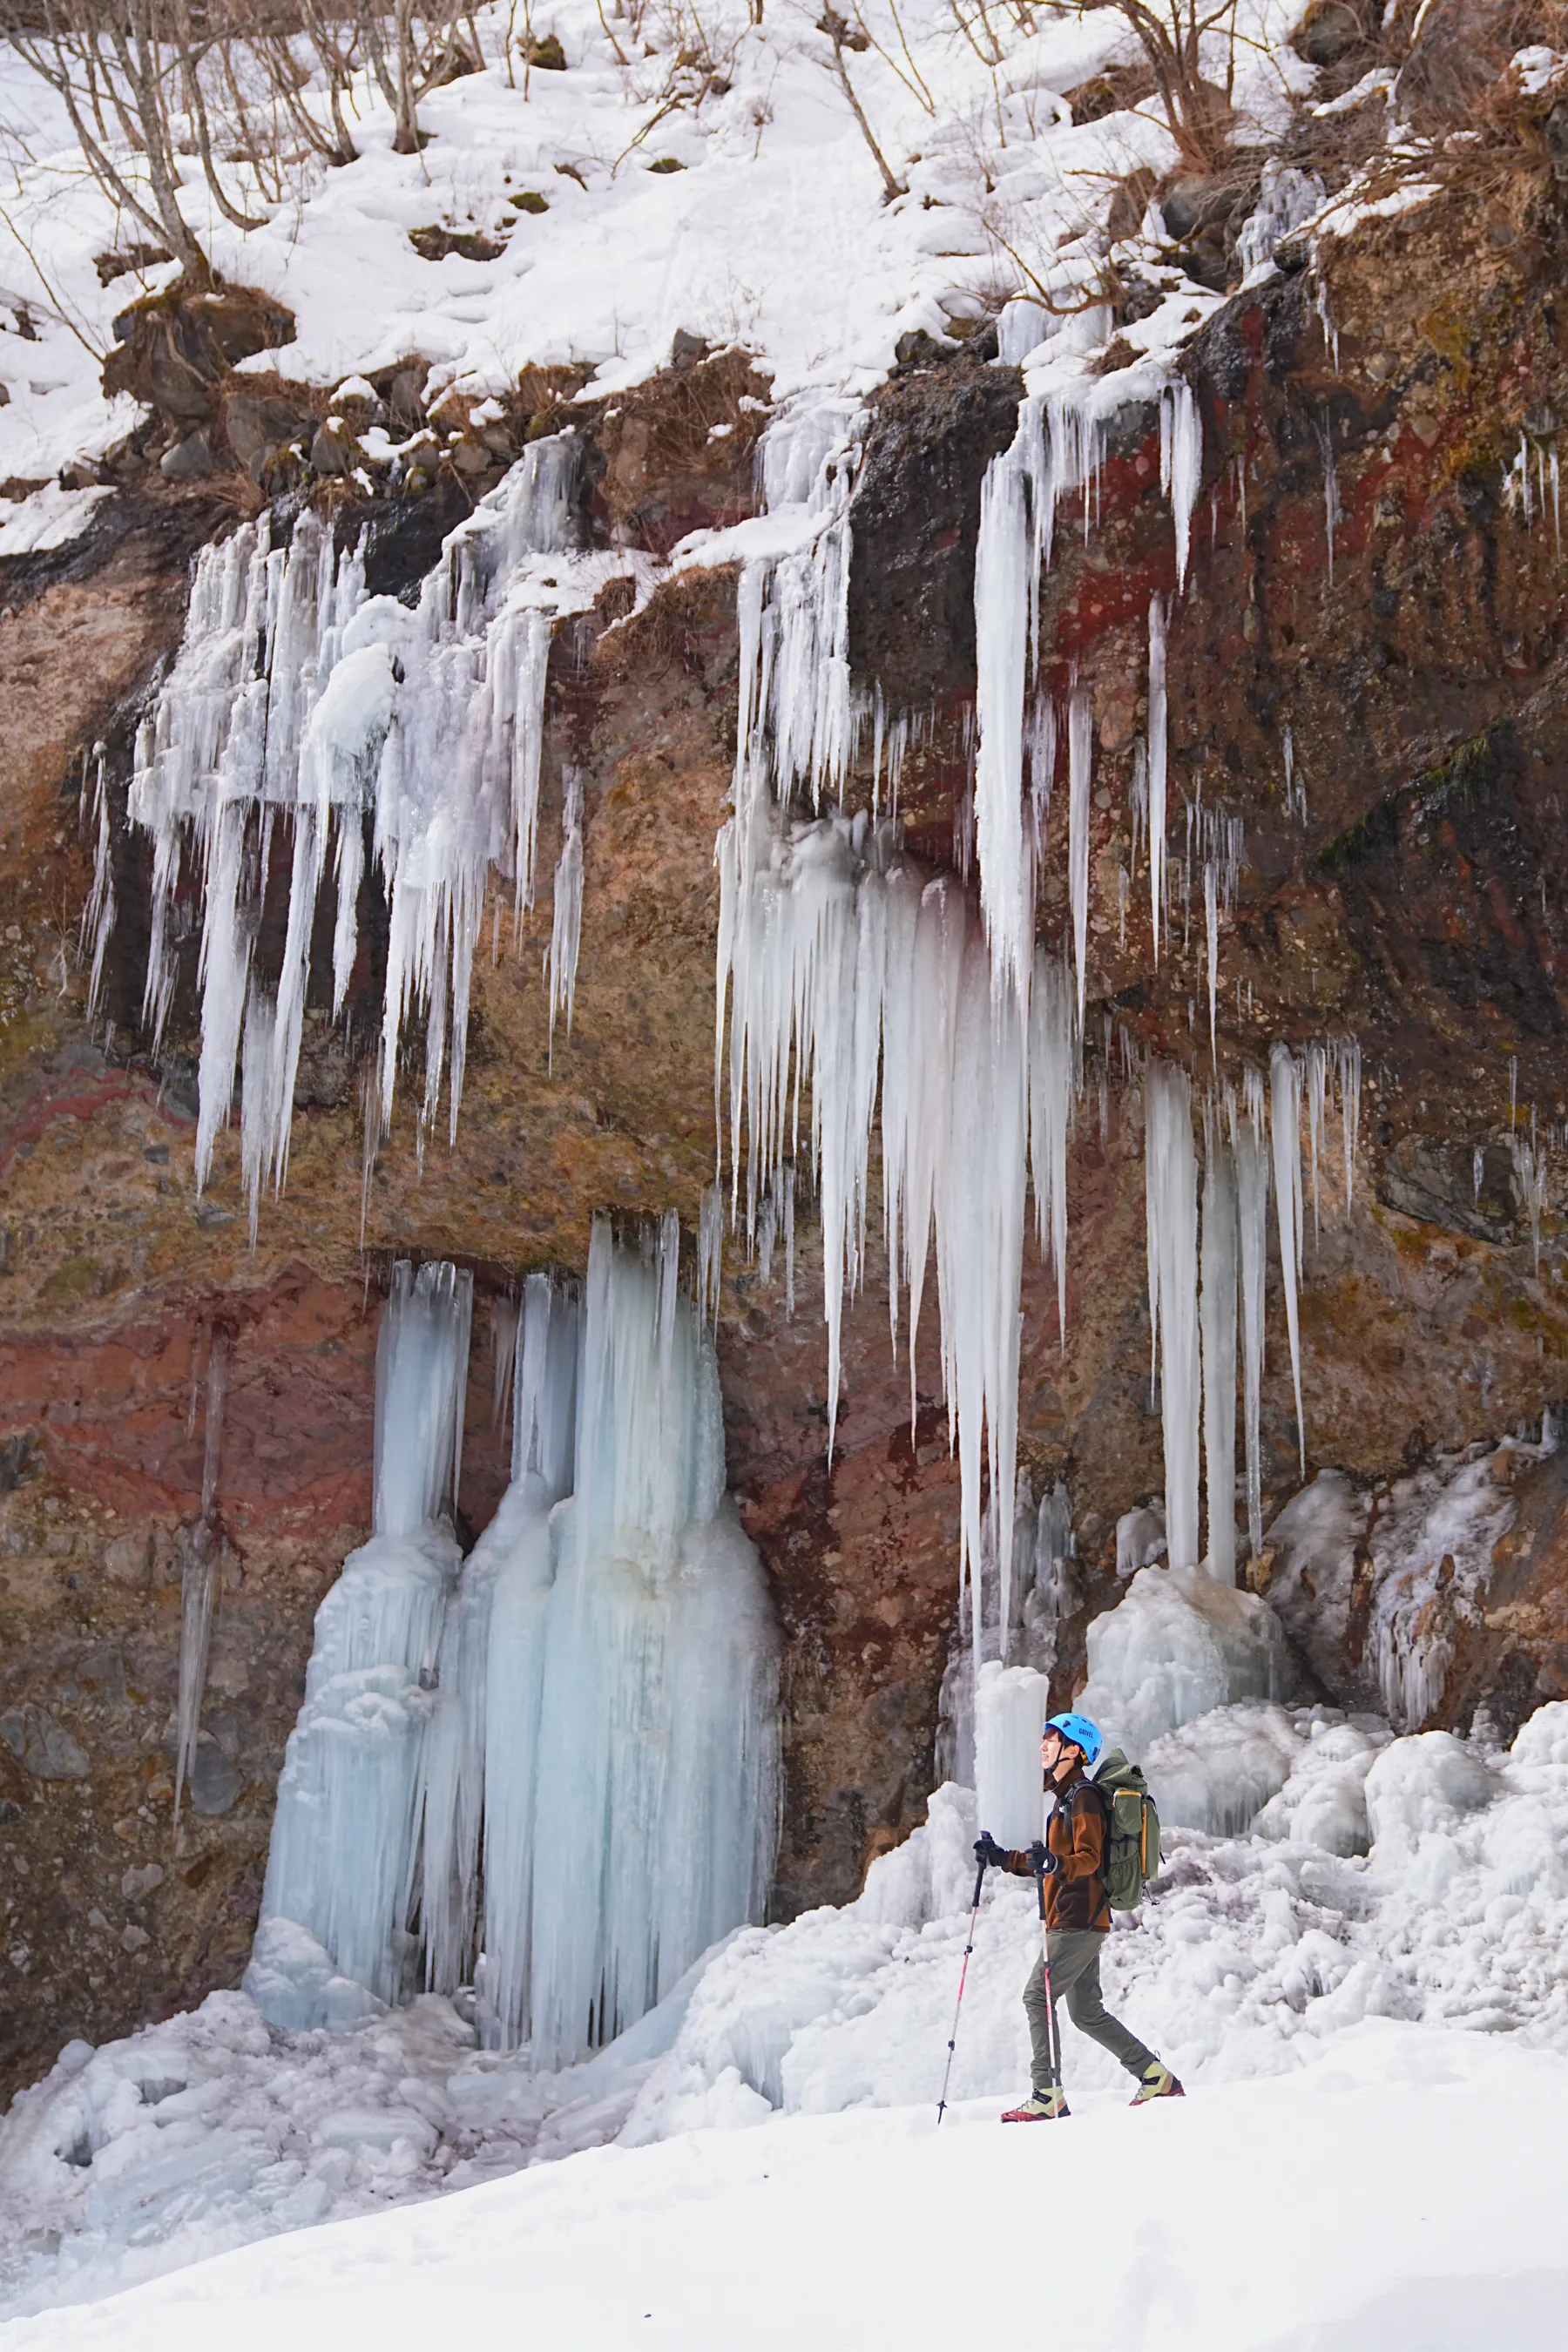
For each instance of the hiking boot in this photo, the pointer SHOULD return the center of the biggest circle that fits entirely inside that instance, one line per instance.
(1039, 2107)
(1158, 2083)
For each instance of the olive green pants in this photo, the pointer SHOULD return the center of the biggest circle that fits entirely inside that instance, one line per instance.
(1075, 1978)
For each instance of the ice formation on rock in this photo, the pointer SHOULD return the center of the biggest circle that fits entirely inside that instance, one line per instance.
(307, 719)
(1057, 449)
(848, 974)
(1217, 1319)
(1171, 1199)
(1285, 1126)
(581, 1718)
(331, 1943)
(1011, 1704)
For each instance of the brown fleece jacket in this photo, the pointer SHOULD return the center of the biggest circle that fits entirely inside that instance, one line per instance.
(1075, 1892)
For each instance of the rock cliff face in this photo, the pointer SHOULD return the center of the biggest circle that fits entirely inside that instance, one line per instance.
(1365, 668)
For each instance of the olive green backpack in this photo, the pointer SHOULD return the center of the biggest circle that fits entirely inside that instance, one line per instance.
(1132, 1830)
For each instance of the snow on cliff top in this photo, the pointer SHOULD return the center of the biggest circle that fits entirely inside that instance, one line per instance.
(773, 233)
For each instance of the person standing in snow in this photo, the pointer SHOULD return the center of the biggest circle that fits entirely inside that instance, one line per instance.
(1070, 1862)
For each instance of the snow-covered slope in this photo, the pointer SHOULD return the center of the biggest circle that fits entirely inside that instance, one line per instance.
(1400, 2194)
(1269, 1968)
(754, 214)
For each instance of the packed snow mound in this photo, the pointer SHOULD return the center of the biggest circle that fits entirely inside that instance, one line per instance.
(1178, 1645)
(1218, 1772)
(1286, 1952)
(1400, 2194)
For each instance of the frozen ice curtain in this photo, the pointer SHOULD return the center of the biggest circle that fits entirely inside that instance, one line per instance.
(550, 1769)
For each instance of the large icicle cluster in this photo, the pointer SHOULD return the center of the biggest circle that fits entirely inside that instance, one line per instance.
(1056, 452)
(948, 1036)
(554, 1767)
(1204, 1297)
(845, 972)
(306, 720)
(851, 975)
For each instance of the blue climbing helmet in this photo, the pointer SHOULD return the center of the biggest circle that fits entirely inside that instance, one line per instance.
(1081, 1732)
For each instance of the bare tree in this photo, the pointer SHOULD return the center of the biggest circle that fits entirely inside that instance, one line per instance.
(124, 74)
(1171, 35)
(144, 82)
(855, 38)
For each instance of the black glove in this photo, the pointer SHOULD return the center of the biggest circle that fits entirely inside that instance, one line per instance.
(1042, 1861)
(988, 1853)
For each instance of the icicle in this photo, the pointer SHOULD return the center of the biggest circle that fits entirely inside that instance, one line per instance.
(1217, 1317)
(1042, 750)
(1347, 1062)
(1157, 755)
(567, 928)
(421, 1375)
(1171, 1200)
(340, 1869)
(1050, 1114)
(1285, 1105)
(1529, 1168)
(1317, 1071)
(654, 1816)
(1080, 761)
(1252, 1221)
(1181, 465)
(1333, 512)
(1003, 553)
(99, 914)
(711, 1255)
(1211, 929)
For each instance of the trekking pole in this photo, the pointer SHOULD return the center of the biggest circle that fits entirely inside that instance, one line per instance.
(1053, 2042)
(958, 2004)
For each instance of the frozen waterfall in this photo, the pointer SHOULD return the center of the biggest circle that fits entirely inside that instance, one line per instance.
(550, 1769)
(330, 1942)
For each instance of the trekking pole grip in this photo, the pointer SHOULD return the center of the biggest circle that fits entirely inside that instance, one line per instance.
(979, 1884)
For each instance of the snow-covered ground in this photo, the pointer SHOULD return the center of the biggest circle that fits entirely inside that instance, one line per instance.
(1400, 2193)
(1408, 1998)
(752, 214)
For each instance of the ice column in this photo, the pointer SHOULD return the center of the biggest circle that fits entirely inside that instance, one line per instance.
(1080, 761)
(655, 1814)
(1171, 1199)
(1158, 724)
(1180, 463)
(1285, 1108)
(1252, 1224)
(1051, 1035)
(512, 1566)
(329, 1945)
(1004, 554)
(1218, 1315)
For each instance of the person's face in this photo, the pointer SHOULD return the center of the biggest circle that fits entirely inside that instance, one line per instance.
(1057, 1755)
